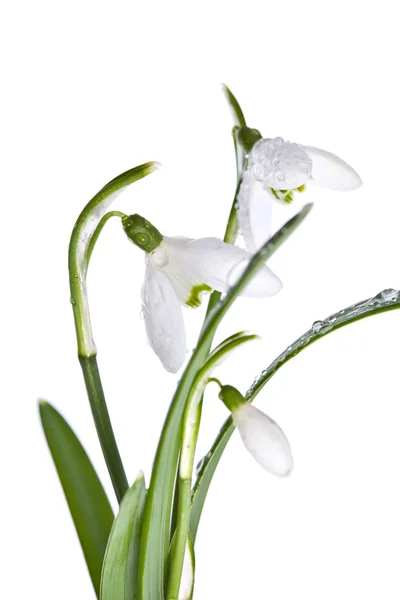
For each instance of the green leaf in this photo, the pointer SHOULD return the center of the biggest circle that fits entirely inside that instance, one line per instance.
(83, 237)
(190, 429)
(119, 576)
(87, 501)
(157, 515)
(237, 113)
(386, 300)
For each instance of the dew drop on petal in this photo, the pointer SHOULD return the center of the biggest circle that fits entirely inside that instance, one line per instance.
(280, 176)
(159, 257)
(280, 164)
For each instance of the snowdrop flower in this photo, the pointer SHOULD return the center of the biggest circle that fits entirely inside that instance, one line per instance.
(178, 271)
(275, 168)
(262, 437)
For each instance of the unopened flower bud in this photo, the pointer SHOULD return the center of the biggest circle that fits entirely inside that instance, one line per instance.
(262, 437)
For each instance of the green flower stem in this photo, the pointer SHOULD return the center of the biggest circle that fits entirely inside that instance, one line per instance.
(190, 431)
(191, 424)
(182, 530)
(83, 238)
(230, 236)
(104, 428)
(99, 229)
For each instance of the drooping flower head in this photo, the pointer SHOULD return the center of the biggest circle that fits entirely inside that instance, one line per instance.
(276, 168)
(261, 436)
(179, 271)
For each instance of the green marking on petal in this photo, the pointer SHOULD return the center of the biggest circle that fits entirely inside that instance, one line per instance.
(283, 195)
(287, 196)
(194, 299)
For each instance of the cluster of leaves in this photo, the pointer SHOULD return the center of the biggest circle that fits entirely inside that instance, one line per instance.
(128, 555)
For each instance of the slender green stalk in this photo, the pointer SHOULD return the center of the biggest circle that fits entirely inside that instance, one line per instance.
(230, 237)
(83, 238)
(181, 533)
(99, 229)
(103, 425)
(190, 432)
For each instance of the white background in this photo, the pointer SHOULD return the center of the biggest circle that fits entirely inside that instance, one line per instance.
(91, 89)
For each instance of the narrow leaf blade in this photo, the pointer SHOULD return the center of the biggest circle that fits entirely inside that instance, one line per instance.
(158, 508)
(87, 501)
(237, 113)
(384, 301)
(119, 577)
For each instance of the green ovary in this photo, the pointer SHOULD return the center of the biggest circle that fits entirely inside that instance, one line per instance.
(194, 299)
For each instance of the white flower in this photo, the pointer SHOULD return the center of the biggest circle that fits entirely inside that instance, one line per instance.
(264, 439)
(178, 271)
(274, 164)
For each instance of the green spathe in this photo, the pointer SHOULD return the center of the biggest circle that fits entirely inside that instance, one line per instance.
(231, 397)
(142, 233)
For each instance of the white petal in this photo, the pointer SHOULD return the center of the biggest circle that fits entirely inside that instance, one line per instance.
(170, 257)
(187, 579)
(264, 439)
(330, 171)
(163, 319)
(280, 165)
(211, 261)
(254, 212)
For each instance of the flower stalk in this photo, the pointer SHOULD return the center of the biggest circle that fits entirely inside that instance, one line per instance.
(84, 236)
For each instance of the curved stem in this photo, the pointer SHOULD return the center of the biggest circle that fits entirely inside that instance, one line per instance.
(99, 229)
(83, 238)
(190, 432)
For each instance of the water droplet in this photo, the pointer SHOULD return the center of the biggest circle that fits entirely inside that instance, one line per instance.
(317, 326)
(72, 300)
(258, 171)
(159, 258)
(142, 239)
(388, 295)
(280, 176)
(201, 463)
